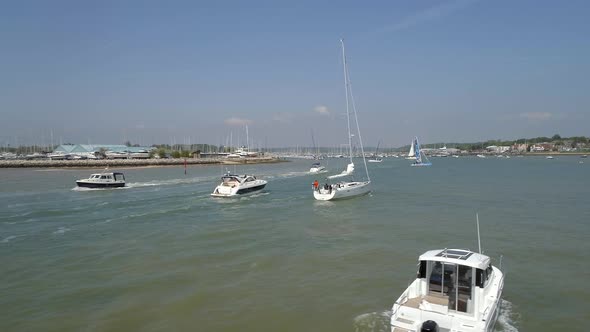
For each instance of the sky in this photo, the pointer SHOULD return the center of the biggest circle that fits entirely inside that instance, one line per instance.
(199, 72)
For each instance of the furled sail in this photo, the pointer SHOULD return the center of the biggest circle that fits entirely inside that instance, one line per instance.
(348, 171)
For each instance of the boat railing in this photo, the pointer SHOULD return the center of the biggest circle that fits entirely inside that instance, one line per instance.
(398, 304)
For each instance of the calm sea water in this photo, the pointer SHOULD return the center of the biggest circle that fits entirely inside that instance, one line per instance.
(163, 255)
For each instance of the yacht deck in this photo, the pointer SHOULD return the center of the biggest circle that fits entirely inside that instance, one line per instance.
(415, 302)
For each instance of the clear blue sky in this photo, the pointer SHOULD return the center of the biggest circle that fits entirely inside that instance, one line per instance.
(159, 71)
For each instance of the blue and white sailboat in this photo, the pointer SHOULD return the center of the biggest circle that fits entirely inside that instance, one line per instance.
(421, 159)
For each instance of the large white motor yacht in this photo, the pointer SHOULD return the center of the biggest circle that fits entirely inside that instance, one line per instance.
(103, 180)
(234, 185)
(455, 290)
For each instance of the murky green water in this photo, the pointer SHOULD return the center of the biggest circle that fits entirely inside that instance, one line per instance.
(162, 255)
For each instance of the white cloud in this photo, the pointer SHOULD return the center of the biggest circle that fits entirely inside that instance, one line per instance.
(536, 116)
(429, 14)
(321, 109)
(282, 117)
(237, 122)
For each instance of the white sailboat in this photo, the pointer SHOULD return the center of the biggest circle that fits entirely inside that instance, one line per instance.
(317, 166)
(412, 153)
(346, 189)
(375, 158)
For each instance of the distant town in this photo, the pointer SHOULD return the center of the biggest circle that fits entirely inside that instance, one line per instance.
(537, 145)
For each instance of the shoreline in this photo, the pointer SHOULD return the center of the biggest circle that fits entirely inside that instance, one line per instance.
(132, 163)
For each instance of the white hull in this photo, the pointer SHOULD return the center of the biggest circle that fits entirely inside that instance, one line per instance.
(239, 189)
(375, 160)
(343, 190)
(473, 309)
(320, 169)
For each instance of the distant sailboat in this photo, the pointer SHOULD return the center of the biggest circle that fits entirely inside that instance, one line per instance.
(316, 167)
(421, 159)
(412, 153)
(375, 158)
(346, 189)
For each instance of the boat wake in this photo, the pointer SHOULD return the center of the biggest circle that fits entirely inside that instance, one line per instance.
(507, 318)
(377, 321)
(153, 183)
(62, 230)
(288, 175)
(96, 189)
(254, 195)
(8, 238)
(171, 182)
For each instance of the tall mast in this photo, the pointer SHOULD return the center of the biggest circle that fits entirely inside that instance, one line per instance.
(347, 106)
(348, 86)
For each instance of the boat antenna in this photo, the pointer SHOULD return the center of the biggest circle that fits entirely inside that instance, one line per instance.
(478, 238)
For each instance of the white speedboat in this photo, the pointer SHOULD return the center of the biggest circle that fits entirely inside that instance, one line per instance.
(549, 157)
(317, 168)
(103, 180)
(455, 290)
(481, 156)
(235, 185)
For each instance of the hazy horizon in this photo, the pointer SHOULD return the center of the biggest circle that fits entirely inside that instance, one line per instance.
(155, 73)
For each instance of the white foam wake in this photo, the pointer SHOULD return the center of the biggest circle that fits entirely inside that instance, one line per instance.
(377, 321)
(169, 182)
(507, 318)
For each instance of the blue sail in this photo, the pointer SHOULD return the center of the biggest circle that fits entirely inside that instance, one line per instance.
(417, 151)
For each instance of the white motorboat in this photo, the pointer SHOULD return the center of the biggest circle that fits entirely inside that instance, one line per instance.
(454, 290)
(549, 157)
(103, 180)
(481, 156)
(351, 188)
(317, 168)
(235, 185)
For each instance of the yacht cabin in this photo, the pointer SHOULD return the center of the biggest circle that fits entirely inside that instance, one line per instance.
(455, 288)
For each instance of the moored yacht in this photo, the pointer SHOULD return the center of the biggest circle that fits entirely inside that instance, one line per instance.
(455, 290)
(235, 185)
(103, 180)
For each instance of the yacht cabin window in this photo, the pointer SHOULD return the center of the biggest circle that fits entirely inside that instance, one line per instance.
(452, 281)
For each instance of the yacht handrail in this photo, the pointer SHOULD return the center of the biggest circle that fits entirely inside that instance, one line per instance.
(403, 300)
